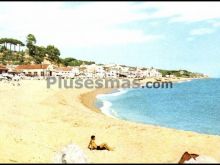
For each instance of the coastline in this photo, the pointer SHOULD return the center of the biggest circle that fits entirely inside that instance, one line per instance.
(93, 97)
(37, 122)
(89, 99)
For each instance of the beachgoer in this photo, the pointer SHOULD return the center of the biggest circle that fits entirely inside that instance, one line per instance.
(93, 146)
(195, 158)
(186, 156)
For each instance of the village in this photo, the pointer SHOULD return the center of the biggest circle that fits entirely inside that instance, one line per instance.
(93, 71)
(40, 62)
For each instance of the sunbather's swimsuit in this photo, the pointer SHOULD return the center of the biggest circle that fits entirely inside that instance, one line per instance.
(99, 148)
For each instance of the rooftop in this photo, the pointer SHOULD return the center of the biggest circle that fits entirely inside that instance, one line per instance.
(33, 66)
(2, 67)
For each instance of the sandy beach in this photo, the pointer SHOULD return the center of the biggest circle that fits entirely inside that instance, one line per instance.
(37, 122)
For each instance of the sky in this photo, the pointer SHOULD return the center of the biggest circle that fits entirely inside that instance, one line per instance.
(166, 35)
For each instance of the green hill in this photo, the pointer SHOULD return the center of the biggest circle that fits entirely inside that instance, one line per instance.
(13, 51)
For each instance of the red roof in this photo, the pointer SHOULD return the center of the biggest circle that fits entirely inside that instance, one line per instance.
(2, 67)
(34, 66)
(67, 69)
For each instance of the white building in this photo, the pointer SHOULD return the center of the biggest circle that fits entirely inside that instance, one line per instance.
(111, 70)
(100, 72)
(155, 73)
(75, 70)
(150, 72)
(35, 69)
(68, 72)
(111, 73)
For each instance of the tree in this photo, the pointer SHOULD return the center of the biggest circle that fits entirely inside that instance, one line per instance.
(53, 53)
(1, 41)
(11, 41)
(4, 41)
(40, 54)
(36, 53)
(14, 42)
(19, 45)
(31, 41)
(74, 62)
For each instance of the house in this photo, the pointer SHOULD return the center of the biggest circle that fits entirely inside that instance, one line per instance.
(151, 72)
(3, 69)
(170, 76)
(111, 70)
(132, 71)
(139, 73)
(92, 71)
(62, 71)
(113, 73)
(100, 72)
(155, 73)
(11, 69)
(82, 69)
(35, 69)
(124, 70)
(75, 70)
(69, 72)
(89, 70)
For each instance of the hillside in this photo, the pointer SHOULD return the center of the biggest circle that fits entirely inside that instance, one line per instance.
(181, 73)
(13, 51)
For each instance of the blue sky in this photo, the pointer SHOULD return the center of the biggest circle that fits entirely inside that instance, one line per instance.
(168, 35)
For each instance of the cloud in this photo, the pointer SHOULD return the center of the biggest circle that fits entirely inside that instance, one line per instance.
(89, 24)
(201, 31)
(216, 24)
(82, 25)
(185, 11)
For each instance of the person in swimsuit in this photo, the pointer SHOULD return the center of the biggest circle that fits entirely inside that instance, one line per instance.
(187, 156)
(93, 146)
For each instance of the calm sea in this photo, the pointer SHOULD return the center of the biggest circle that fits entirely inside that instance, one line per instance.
(192, 106)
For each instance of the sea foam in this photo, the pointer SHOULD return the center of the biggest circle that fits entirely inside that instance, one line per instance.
(120, 91)
(106, 108)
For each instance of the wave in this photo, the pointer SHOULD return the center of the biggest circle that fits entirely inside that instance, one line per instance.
(119, 92)
(183, 81)
(106, 105)
(106, 109)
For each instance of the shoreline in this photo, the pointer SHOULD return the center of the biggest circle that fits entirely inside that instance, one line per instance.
(88, 99)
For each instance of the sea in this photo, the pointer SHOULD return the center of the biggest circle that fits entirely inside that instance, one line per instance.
(191, 106)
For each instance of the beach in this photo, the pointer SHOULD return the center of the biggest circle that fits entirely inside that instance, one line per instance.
(37, 122)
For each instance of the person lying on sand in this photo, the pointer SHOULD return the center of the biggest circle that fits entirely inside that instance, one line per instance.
(195, 158)
(186, 156)
(93, 146)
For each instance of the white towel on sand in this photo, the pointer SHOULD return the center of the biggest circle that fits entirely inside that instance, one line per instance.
(70, 154)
